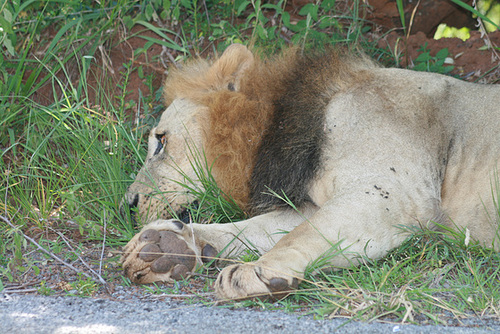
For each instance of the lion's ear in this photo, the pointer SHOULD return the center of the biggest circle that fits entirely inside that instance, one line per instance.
(232, 65)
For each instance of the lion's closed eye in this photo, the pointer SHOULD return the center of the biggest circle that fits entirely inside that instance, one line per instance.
(162, 142)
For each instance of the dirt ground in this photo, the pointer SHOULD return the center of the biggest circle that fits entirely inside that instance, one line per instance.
(473, 60)
(476, 59)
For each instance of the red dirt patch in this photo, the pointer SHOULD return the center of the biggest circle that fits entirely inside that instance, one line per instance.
(472, 59)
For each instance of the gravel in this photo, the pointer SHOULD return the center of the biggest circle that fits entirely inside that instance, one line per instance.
(42, 314)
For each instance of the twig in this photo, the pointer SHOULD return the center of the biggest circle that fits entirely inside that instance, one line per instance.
(103, 243)
(165, 52)
(20, 286)
(19, 291)
(52, 255)
(106, 60)
(191, 295)
(99, 278)
(190, 273)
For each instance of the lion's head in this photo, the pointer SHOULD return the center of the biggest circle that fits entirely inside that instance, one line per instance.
(207, 115)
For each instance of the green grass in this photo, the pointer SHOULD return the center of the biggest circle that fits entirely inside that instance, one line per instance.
(65, 164)
(430, 276)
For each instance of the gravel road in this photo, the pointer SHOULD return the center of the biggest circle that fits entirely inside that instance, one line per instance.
(40, 314)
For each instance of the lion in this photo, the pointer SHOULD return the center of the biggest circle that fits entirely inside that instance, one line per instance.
(363, 152)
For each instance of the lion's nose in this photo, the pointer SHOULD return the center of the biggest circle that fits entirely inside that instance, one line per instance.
(133, 204)
(129, 203)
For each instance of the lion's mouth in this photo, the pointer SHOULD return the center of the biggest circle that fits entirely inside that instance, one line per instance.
(186, 213)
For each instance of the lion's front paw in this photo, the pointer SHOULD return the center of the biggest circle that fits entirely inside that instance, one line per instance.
(163, 251)
(250, 280)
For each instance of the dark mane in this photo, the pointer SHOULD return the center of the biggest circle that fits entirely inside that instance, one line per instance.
(289, 155)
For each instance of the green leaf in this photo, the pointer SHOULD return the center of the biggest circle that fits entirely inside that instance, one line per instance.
(327, 4)
(448, 69)
(443, 53)
(423, 57)
(242, 7)
(128, 22)
(400, 6)
(6, 25)
(176, 13)
(439, 62)
(277, 8)
(10, 48)
(168, 42)
(36, 270)
(423, 48)
(310, 9)
(7, 15)
(187, 4)
(420, 67)
(149, 11)
(261, 32)
(286, 19)
(328, 22)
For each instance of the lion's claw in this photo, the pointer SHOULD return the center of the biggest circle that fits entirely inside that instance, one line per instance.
(244, 281)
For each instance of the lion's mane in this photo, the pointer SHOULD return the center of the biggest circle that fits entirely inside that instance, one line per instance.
(267, 133)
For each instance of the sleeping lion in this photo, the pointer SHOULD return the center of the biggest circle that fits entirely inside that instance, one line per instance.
(364, 153)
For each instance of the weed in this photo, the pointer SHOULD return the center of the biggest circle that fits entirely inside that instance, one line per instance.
(249, 256)
(44, 289)
(83, 287)
(427, 63)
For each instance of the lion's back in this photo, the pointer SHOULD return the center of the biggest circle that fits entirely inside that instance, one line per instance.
(456, 123)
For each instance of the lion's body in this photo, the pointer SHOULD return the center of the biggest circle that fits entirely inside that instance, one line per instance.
(361, 150)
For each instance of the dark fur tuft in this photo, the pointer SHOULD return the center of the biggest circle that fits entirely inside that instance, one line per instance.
(290, 152)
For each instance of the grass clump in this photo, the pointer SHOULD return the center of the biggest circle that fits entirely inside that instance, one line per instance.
(431, 278)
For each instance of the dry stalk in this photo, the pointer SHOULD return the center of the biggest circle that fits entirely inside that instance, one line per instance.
(55, 257)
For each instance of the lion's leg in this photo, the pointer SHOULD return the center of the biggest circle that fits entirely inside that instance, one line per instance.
(166, 250)
(352, 226)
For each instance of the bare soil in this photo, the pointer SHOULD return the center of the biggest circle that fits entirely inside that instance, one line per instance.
(474, 59)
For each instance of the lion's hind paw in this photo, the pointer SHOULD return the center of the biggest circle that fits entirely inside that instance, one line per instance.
(249, 280)
(160, 252)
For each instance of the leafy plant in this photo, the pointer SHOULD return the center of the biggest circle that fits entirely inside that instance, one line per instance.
(427, 63)
(83, 286)
(45, 289)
